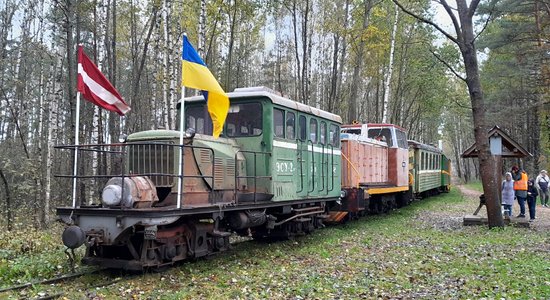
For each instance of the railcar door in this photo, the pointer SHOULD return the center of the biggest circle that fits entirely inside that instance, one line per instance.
(303, 157)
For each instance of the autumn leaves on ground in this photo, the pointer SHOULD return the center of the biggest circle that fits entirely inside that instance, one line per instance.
(421, 251)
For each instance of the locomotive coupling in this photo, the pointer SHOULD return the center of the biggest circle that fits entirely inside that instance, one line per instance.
(73, 237)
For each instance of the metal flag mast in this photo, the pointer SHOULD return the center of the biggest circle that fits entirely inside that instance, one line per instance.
(76, 134)
(182, 113)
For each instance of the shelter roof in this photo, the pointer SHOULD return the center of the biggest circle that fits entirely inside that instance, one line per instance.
(510, 148)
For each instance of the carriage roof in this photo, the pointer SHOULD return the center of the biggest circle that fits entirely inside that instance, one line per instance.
(275, 98)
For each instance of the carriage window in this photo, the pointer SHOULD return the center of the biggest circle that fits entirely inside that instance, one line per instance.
(313, 130)
(302, 128)
(323, 134)
(198, 118)
(290, 127)
(244, 120)
(423, 161)
(432, 161)
(333, 135)
(278, 125)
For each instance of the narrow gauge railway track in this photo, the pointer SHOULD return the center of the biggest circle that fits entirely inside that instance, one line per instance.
(66, 277)
(50, 280)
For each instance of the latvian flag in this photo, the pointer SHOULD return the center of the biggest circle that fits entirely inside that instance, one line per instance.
(96, 88)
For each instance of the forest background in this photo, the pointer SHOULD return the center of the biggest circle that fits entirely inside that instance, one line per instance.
(362, 59)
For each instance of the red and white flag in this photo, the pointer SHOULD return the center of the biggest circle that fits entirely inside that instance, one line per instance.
(96, 88)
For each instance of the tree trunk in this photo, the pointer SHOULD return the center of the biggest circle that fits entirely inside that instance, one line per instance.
(356, 77)
(8, 200)
(390, 68)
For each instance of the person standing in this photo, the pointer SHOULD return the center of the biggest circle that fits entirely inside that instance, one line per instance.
(508, 194)
(520, 187)
(532, 194)
(541, 183)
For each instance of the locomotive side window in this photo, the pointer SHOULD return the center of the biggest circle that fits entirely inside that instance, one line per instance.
(278, 125)
(333, 135)
(244, 120)
(290, 125)
(323, 134)
(313, 130)
(302, 128)
(198, 118)
(401, 139)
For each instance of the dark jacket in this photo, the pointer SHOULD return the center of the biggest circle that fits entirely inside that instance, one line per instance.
(532, 192)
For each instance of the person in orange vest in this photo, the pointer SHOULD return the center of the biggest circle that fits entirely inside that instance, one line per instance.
(520, 187)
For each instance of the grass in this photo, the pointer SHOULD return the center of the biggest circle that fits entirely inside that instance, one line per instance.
(421, 251)
(475, 185)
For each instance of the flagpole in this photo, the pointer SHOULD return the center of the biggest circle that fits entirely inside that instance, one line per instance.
(180, 170)
(77, 131)
(182, 117)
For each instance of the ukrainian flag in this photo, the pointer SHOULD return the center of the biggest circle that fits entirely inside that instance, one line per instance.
(196, 75)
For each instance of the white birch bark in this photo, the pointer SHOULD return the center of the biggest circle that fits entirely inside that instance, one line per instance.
(166, 69)
(387, 90)
(202, 30)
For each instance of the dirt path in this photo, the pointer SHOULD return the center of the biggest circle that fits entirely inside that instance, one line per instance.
(542, 221)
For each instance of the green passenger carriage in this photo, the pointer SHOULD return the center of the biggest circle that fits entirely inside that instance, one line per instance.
(426, 164)
(292, 150)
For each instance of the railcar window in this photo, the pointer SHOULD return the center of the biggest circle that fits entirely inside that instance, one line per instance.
(278, 125)
(401, 139)
(351, 130)
(323, 134)
(302, 128)
(381, 134)
(244, 120)
(313, 130)
(198, 118)
(334, 136)
(290, 125)
(423, 161)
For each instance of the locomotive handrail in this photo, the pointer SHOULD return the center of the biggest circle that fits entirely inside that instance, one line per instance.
(322, 168)
(331, 168)
(255, 176)
(123, 155)
(312, 167)
(300, 161)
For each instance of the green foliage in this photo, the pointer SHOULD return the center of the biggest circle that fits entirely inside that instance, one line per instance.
(28, 255)
(421, 251)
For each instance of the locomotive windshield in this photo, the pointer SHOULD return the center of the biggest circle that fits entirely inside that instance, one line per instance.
(382, 134)
(198, 118)
(243, 119)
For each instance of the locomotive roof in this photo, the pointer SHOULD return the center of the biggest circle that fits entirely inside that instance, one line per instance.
(418, 145)
(374, 125)
(276, 98)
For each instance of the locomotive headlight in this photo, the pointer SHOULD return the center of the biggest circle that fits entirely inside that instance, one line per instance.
(343, 194)
(112, 194)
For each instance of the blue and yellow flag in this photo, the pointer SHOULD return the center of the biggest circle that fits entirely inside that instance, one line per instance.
(196, 75)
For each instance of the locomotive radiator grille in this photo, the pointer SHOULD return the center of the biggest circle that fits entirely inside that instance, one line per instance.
(153, 159)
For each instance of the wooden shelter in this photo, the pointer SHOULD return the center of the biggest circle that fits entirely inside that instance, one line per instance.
(501, 145)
